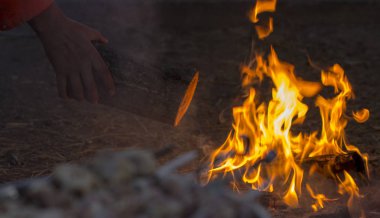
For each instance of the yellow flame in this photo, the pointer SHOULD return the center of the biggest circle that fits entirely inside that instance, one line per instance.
(262, 145)
(290, 197)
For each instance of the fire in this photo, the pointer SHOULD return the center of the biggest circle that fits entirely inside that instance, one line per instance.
(349, 186)
(319, 199)
(263, 30)
(361, 116)
(262, 6)
(263, 149)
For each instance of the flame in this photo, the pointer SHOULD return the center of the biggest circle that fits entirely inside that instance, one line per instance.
(319, 199)
(361, 116)
(262, 146)
(348, 186)
(262, 6)
(265, 29)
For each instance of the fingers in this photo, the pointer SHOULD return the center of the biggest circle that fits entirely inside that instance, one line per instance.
(79, 83)
(96, 36)
(76, 88)
(89, 84)
(102, 39)
(62, 86)
(78, 64)
(102, 72)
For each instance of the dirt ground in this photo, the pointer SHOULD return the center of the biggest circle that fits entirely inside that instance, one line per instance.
(38, 130)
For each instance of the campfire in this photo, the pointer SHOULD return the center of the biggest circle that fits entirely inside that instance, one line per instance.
(263, 150)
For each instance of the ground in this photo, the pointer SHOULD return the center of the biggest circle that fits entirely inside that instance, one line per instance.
(38, 130)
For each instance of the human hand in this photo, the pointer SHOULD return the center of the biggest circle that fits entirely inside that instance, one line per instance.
(77, 63)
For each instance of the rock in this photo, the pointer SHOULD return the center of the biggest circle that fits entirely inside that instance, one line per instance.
(30, 212)
(180, 187)
(121, 167)
(50, 213)
(41, 193)
(163, 208)
(94, 209)
(127, 184)
(74, 179)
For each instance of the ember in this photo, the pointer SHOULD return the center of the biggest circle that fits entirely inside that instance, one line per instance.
(267, 129)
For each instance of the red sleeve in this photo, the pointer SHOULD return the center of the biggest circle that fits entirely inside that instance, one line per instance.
(15, 12)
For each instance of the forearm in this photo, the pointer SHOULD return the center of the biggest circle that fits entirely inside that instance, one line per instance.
(16, 12)
(47, 19)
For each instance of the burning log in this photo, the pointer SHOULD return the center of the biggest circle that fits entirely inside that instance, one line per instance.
(325, 164)
(335, 164)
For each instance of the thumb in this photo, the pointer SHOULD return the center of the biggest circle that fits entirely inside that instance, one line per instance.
(96, 36)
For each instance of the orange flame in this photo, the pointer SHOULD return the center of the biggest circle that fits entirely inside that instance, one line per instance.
(319, 199)
(262, 146)
(361, 116)
(264, 29)
(349, 186)
(262, 6)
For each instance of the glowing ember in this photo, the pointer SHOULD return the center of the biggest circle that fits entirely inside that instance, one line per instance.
(262, 146)
(188, 97)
